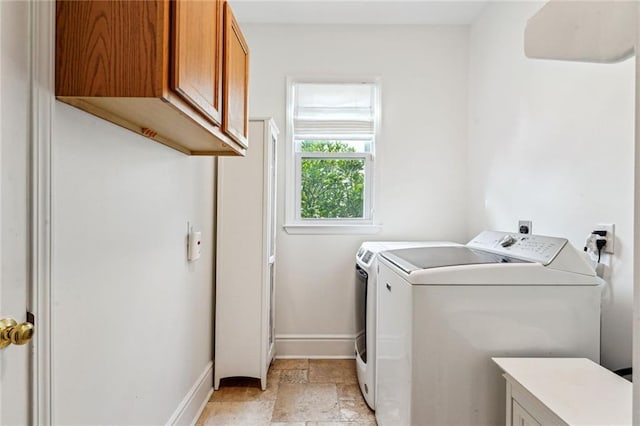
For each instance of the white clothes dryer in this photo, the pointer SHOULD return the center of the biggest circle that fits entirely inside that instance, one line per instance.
(366, 307)
(444, 312)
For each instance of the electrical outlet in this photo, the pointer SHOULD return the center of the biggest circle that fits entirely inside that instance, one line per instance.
(525, 226)
(611, 236)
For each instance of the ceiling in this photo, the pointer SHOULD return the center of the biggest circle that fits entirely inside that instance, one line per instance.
(443, 12)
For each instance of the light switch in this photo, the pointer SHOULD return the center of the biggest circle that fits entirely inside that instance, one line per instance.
(195, 245)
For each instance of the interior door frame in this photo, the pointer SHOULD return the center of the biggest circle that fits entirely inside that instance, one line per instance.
(42, 49)
(636, 237)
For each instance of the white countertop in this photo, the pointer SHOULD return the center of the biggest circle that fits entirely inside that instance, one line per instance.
(577, 390)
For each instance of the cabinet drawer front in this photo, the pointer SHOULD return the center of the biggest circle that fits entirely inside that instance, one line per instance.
(197, 55)
(520, 416)
(235, 80)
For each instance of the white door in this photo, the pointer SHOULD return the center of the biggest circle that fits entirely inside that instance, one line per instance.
(15, 361)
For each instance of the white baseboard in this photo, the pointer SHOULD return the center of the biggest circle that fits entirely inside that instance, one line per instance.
(195, 400)
(315, 346)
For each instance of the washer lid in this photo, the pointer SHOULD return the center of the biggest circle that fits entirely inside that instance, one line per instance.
(414, 259)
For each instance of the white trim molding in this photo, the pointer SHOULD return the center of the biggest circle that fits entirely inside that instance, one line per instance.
(315, 346)
(195, 401)
(636, 236)
(331, 229)
(42, 51)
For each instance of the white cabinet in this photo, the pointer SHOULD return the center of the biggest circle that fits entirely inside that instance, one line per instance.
(245, 261)
(564, 391)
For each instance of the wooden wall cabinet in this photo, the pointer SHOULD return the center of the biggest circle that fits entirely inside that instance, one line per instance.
(245, 261)
(175, 71)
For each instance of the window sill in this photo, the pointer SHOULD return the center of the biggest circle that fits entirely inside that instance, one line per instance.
(331, 229)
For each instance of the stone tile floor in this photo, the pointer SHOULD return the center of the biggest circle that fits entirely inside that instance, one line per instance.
(300, 392)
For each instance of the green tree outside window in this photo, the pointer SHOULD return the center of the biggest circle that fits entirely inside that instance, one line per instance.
(331, 188)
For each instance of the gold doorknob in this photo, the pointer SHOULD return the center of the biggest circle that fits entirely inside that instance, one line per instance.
(21, 333)
(5, 327)
(12, 332)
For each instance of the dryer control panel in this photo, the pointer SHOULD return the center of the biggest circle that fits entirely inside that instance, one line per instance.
(534, 248)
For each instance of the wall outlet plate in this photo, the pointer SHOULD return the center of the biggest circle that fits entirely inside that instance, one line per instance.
(611, 236)
(525, 226)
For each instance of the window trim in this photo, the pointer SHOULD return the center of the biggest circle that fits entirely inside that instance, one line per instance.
(293, 223)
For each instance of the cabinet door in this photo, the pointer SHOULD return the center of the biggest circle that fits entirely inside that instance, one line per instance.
(271, 167)
(520, 416)
(235, 121)
(197, 56)
(272, 308)
(270, 153)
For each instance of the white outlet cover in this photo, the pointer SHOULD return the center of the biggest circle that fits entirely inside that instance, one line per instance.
(611, 236)
(527, 223)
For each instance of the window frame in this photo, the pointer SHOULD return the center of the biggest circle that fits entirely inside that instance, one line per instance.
(294, 224)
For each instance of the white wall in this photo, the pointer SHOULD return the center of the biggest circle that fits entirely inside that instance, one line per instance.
(421, 158)
(552, 142)
(132, 318)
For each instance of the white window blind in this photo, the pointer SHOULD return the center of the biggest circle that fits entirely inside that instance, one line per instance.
(334, 110)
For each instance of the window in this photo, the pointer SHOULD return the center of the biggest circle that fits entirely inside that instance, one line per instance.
(331, 140)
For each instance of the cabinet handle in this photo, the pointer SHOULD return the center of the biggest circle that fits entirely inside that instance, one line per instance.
(388, 286)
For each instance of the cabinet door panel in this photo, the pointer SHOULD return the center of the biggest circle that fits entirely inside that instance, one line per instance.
(197, 56)
(110, 48)
(236, 80)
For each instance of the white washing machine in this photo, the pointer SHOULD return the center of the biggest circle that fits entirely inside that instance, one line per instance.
(366, 306)
(443, 312)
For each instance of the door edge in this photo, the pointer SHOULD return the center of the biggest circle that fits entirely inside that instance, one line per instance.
(42, 51)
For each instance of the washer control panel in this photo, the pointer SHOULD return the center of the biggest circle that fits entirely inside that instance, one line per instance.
(535, 248)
